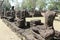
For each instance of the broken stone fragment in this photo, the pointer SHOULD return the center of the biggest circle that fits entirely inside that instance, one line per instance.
(49, 18)
(35, 22)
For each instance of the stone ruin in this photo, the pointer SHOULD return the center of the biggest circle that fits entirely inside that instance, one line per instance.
(37, 13)
(9, 15)
(35, 30)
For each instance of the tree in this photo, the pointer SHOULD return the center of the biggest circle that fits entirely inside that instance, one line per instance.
(54, 5)
(41, 4)
(29, 4)
(6, 4)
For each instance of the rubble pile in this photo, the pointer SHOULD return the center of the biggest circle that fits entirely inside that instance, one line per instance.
(35, 29)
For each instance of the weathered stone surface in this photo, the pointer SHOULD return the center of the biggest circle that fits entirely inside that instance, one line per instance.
(27, 24)
(35, 22)
(37, 14)
(26, 13)
(57, 35)
(18, 14)
(49, 18)
(10, 15)
(21, 20)
(36, 31)
(22, 24)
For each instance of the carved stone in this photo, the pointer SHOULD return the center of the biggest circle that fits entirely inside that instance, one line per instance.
(49, 18)
(35, 22)
(37, 14)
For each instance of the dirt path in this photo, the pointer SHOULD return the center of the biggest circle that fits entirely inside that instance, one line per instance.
(6, 33)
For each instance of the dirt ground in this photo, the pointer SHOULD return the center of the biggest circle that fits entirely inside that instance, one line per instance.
(56, 23)
(6, 33)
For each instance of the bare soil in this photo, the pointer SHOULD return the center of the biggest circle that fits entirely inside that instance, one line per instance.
(6, 33)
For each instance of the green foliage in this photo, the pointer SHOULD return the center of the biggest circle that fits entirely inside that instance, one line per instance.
(6, 4)
(29, 4)
(32, 4)
(41, 4)
(54, 4)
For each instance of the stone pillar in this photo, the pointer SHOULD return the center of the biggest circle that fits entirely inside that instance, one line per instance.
(12, 14)
(22, 22)
(49, 18)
